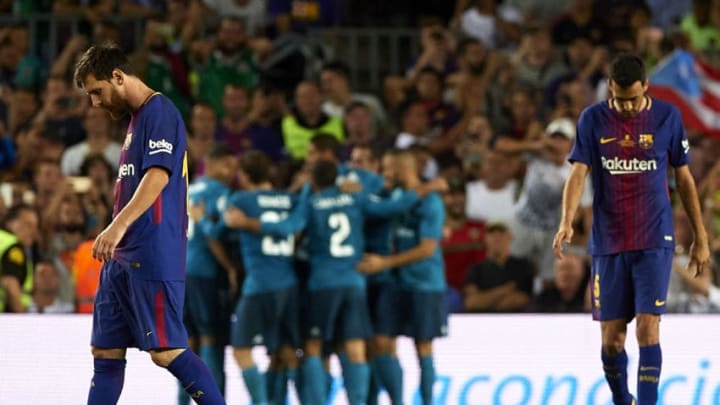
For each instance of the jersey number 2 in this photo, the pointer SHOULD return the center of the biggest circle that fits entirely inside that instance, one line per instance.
(340, 224)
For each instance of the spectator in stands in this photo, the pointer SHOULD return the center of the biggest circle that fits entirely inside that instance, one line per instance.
(538, 213)
(415, 128)
(395, 96)
(92, 11)
(86, 275)
(569, 289)
(306, 120)
(495, 23)
(463, 244)
(45, 296)
(437, 51)
(536, 62)
(231, 61)
(494, 195)
(577, 21)
(162, 68)
(521, 128)
(18, 67)
(253, 12)
(183, 21)
(234, 123)
(364, 156)
(201, 137)
(22, 103)
(476, 67)
(359, 130)
(106, 30)
(47, 180)
(142, 8)
(63, 111)
(699, 27)
(17, 239)
(472, 145)
(430, 87)
(265, 119)
(98, 127)
(97, 201)
(335, 83)
(501, 282)
(64, 63)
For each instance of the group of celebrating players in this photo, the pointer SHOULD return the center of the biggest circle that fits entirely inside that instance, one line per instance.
(310, 292)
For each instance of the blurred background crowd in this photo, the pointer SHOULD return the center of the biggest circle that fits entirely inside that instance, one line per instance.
(486, 93)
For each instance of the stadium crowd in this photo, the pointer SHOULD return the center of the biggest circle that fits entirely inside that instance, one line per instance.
(489, 104)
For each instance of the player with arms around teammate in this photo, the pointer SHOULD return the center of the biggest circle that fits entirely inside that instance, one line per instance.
(421, 272)
(139, 302)
(267, 313)
(626, 144)
(208, 264)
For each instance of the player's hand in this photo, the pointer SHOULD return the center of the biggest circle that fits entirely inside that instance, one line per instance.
(233, 281)
(350, 186)
(197, 211)
(372, 264)
(563, 235)
(439, 185)
(699, 258)
(107, 240)
(235, 218)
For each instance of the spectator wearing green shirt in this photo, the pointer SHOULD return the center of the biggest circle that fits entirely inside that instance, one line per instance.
(231, 62)
(306, 120)
(698, 26)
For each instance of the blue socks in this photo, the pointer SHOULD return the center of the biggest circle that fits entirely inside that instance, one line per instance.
(107, 381)
(375, 384)
(615, 368)
(255, 383)
(196, 379)
(313, 381)
(390, 375)
(357, 381)
(427, 379)
(649, 374)
(213, 357)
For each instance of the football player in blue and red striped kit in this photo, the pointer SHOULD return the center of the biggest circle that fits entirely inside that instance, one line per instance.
(627, 144)
(139, 302)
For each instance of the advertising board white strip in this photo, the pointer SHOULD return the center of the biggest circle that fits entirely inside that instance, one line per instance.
(486, 360)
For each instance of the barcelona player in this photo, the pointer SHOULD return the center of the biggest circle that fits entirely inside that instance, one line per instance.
(627, 144)
(139, 302)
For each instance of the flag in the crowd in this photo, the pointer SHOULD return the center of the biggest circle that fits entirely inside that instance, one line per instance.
(693, 86)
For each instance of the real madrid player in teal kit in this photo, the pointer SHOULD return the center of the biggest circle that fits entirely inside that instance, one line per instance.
(139, 302)
(627, 144)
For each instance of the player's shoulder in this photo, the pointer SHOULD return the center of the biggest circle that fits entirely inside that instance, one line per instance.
(593, 111)
(663, 108)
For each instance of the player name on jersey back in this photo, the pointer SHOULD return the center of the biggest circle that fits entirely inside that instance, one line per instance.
(343, 200)
(274, 201)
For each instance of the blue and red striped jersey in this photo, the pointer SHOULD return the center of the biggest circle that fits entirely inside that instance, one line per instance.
(155, 244)
(628, 159)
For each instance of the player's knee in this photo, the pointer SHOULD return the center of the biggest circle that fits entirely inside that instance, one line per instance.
(355, 349)
(383, 345)
(648, 329)
(313, 347)
(163, 358)
(288, 357)
(243, 357)
(424, 348)
(101, 353)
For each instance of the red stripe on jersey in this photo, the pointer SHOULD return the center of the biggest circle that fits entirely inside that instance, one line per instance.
(157, 210)
(160, 319)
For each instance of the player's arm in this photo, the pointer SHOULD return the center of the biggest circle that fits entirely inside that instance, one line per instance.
(574, 188)
(700, 250)
(14, 267)
(477, 299)
(152, 184)
(388, 207)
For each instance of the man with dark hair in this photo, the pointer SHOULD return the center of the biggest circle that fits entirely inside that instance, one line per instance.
(139, 302)
(626, 144)
(209, 268)
(335, 83)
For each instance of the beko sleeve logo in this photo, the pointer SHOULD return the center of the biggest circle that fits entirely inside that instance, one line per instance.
(161, 146)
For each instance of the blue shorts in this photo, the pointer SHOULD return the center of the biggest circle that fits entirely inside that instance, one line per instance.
(269, 319)
(424, 314)
(203, 316)
(338, 315)
(628, 283)
(383, 303)
(131, 312)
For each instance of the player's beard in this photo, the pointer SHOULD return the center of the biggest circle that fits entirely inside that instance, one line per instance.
(117, 106)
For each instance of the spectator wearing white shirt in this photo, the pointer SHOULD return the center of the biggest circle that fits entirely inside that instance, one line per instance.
(415, 126)
(98, 127)
(494, 196)
(45, 291)
(496, 25)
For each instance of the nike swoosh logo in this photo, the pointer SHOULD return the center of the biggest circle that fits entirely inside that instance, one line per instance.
(149, 333)
(659, 303)
(603, 141)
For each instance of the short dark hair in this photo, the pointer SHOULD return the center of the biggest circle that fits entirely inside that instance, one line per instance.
(324, 173)
(376, 152)
(100, 61)
(220, 151)
(356, 104)
(14, 212)
(324, 142)
(626, 69)
(429, 70)
(466, 43)
(256, 165)
(338, 67)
